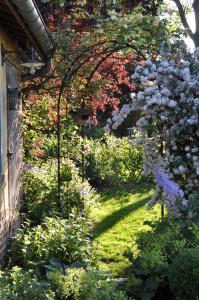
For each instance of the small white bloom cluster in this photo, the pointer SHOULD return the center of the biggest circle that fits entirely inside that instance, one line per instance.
(118, 117)
(169, 124)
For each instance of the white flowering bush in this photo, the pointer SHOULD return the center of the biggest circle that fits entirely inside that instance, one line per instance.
(168, 100)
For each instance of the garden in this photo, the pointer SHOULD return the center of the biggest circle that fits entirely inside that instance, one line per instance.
(111, 157)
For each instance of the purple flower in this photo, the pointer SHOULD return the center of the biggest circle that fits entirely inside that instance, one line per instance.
(30, 167)
(170, 188)
(83, 192)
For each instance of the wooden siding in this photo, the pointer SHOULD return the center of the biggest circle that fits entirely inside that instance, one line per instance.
(14, 144)
(11, 150)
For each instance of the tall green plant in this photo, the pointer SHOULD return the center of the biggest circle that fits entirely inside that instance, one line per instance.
(113, 161)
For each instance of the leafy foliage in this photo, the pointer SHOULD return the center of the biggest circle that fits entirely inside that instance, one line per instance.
(40, 191)
(186, 263)
(66, 240)
(112, 161)
(154, 263)
(21, 285)
(84, 285)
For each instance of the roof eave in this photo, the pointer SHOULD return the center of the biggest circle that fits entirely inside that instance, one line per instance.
(28, 10)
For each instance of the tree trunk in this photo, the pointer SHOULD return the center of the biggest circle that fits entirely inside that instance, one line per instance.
(196, 12)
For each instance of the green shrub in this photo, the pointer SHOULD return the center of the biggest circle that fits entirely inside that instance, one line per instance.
(21, 285)
(160, 245)
(184, 275)
(40, 191)
(66, 240)
(80, 284)
(113, 161)
(100, 291)
(154, 252)
(77, 196)
(66, 285)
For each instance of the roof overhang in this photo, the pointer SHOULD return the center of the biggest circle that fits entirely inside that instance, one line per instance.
(22, 18)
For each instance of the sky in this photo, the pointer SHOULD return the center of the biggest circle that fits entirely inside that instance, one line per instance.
(190, 19)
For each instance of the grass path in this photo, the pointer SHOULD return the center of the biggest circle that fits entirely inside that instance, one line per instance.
(118, 215)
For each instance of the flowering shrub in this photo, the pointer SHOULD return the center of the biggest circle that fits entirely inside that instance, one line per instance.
(170, 193)
(168, 127)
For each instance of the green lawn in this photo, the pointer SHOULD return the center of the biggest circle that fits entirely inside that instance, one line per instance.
(118, 215)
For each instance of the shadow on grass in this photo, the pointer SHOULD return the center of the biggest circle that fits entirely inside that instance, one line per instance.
(123, 192)
(109, 221)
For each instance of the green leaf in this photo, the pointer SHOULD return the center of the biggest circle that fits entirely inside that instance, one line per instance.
(147, 295)
(61, 3)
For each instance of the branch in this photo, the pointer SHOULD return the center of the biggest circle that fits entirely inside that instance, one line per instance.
(98, 65)
(196, 12)
(183, 18)
(36, 86)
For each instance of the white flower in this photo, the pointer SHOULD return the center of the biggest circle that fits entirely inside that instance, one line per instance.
(163, 118)
(163, 101)
(181, 169)
(107, 129)
(172, 104)
(160, 69)
(146, 72)
(150, 204)
(170, 94)
(148, 63)
(138, 68)
(196, 52)
(176, 171)
(165, 91)
(152, 75)
(195, 158)
(144, 79)
(132, 95)
(134, 76)
(184, 202)
(153, 67)
(124, 115)
(115, 126)
(140, 96)
(194, 150)
(157, 97)
(164, 64)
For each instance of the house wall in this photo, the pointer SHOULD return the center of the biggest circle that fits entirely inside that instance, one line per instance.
(7, 209)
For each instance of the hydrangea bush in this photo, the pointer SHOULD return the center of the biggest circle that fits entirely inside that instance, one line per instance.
(168, 100)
